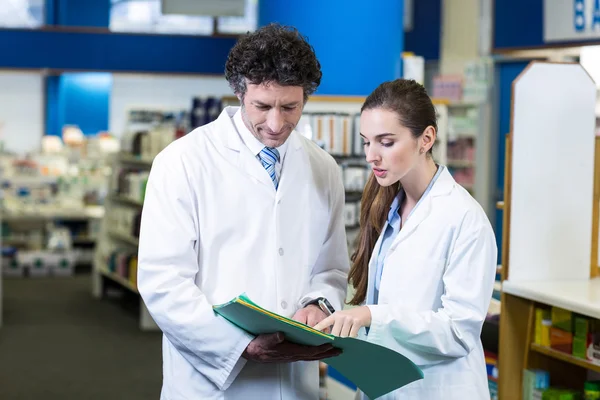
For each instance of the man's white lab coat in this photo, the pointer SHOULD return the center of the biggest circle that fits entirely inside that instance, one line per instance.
(214, 227)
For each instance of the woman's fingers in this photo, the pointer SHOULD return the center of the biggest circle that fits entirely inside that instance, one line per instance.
(326, 323)
(346, 327)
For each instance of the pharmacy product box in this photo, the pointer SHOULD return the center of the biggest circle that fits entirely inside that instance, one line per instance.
(562, 319)
(581, 326)
(35, 262)
(561, 340)
(63, 264)
(543, 323)
(593, 350)
(12, 268)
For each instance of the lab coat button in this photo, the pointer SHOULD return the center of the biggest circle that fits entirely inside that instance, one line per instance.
(280, 251)
(284, 304)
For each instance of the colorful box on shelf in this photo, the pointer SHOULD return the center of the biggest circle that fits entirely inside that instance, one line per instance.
(562, 319)
(543, 323)
(535, 382)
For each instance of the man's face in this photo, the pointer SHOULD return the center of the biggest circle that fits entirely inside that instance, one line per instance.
(271, 112)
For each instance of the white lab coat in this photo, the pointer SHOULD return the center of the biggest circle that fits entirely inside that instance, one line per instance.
(435, 290)
(214, 227)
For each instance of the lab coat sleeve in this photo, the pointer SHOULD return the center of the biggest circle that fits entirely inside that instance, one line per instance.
(330, 273)
(453, 331)
(167, 269)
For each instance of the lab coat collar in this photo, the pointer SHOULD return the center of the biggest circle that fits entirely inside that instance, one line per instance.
(246, 161)
(251, 141)
(442, 187)
(234, 141)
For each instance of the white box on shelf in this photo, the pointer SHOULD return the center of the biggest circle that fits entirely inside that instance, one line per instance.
(354, 179)
(350, 214)
(12, 268)
(359, 149)
(347, 134)
(35, 262)
(322, 131)
(63, 264)
(336, 143)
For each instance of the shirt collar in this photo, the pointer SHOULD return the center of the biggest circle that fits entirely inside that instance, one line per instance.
(250, 140)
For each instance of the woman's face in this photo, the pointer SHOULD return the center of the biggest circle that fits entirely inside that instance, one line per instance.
(390, 148)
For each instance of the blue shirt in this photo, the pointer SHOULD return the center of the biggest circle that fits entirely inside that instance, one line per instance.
(393, 227)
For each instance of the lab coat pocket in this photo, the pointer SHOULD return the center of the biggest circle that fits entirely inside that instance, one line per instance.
(411, 280)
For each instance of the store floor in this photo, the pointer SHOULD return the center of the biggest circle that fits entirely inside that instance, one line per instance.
(58, 342)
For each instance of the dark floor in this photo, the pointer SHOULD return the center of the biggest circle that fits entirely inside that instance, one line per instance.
(58, 342)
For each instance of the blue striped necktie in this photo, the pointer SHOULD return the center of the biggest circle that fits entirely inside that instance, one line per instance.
(268, 157)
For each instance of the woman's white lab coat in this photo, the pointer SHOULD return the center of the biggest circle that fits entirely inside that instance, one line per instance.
(214, 227)
(435, 290)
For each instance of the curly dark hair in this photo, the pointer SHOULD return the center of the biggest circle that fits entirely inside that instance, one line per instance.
(273, 53)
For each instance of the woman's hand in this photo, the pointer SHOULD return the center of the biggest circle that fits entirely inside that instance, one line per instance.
(347, 322)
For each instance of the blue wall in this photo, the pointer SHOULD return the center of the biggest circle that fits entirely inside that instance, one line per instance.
(520, 24)
(78, 99)
(114, 52)
(358, 46)
(424, 38)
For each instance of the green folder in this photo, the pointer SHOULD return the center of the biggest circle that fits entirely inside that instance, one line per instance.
(374, 369)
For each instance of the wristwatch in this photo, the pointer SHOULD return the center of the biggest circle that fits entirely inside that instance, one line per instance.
(323, 304)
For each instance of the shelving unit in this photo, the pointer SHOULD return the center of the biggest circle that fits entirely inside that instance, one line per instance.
(464, 146)
(114, 239)
(548, 262)
(558, 355)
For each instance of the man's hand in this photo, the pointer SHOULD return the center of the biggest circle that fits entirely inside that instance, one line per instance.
(272, 348)
(309, 315)
(346, 322)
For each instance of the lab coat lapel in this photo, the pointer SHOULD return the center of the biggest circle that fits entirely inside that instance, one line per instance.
(441, 187)
(239, 153)
(373, 267)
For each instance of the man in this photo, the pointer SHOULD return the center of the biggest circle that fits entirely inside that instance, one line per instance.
(245, 205)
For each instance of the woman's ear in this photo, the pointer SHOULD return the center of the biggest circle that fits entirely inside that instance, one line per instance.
(428, 138)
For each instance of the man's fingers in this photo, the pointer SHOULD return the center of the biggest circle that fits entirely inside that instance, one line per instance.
(297, 350)
(301, 317)
(328, 354)
(273, 339)
(312, 320)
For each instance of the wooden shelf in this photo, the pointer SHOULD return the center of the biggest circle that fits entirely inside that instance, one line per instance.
(564, 357)
(118, 279)
(124, 237)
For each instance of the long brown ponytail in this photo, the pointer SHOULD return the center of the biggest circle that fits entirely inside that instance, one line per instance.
(415, 110)
(375, 202)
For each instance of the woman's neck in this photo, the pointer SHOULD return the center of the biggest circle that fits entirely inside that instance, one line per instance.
(415, 183)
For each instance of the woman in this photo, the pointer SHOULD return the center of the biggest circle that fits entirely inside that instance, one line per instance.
(425, 265)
